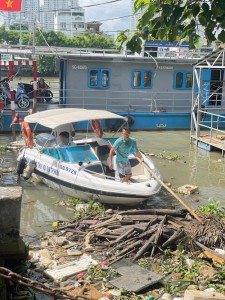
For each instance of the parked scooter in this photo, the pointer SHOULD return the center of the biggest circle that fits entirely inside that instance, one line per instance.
(44, 95)
(21, 98)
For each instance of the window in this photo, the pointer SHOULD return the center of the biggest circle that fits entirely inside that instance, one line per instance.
(62, 25)
(99, 78)
(141, 79)
(183, 80)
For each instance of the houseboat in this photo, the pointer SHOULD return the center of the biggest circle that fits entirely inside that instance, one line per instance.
(153, 89)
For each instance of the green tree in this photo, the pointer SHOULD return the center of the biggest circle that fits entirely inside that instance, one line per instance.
(17, 27)
(2, 33)
(9, 36)
(53, 38)
(47, 66)
(92, 40)
(168, 18)
(12, 37)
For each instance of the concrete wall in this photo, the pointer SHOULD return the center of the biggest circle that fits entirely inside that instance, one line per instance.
(10, 209)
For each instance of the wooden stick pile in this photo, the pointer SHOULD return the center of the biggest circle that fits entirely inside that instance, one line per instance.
(139, 232)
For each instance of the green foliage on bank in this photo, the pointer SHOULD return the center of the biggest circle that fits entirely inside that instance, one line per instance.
(47, 65)
(213, 208)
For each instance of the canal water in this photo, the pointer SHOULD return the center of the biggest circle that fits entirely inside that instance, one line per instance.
(193, 166)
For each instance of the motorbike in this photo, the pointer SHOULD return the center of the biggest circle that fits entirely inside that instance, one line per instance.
(46, 95)
(21, 98)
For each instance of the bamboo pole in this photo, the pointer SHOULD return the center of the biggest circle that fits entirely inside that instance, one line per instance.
(170, 191)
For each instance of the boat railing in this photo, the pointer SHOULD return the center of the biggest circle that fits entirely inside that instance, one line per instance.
(119, 101)
(157, 51)
(213, 121)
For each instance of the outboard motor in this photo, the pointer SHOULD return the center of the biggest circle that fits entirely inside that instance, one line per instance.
(21, 166)
(29, 170)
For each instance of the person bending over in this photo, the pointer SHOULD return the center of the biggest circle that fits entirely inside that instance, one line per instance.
(64, 139)
(122, 147)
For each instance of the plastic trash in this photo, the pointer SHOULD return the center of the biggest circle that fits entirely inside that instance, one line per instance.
(210, 290)
(55, 224)
(220, 251)
(166, 296)
(74, 251)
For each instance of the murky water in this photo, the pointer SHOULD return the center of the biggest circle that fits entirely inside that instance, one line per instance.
(196, 167)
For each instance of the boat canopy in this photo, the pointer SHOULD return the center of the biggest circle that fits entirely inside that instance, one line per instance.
(58, 117)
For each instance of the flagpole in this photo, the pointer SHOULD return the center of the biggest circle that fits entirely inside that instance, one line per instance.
(34, 32)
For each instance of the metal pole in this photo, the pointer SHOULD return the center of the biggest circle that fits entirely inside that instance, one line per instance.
(20, 40)
(34, 33)
(34, 87)
(11, 65)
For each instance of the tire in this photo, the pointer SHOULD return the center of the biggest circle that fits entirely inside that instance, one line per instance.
(21, 166)
(23, 103)
(113, 124)
(48, 96)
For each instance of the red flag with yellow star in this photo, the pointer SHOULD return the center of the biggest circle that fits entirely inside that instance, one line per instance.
(10, 5)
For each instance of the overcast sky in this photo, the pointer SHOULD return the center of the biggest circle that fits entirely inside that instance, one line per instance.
(108, 11)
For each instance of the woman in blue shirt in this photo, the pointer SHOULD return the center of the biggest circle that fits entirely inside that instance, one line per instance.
(122, 147)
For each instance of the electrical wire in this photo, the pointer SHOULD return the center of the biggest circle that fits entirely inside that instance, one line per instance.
(103, 3)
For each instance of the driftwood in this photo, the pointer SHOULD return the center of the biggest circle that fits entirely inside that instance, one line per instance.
(158, 234)
(130, 247)
(210, 250)
(139, 232)
(176, 236)
(123, 236)
(145, 247)
(170, 212)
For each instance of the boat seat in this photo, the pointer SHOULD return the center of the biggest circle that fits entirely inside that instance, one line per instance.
(102, 152)
(138, 170)
(139, 178)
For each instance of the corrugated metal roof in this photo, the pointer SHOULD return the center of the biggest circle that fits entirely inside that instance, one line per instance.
(214, 60)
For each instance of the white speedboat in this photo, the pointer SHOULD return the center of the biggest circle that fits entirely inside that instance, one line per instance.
(80, 169)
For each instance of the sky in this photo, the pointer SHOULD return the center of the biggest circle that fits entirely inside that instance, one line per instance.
(105, 12)
(108, 11)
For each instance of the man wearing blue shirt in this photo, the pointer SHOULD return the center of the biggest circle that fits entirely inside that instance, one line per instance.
(122, 147)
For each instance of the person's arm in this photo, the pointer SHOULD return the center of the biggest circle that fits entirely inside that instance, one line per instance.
(112, 151)
(138, 154)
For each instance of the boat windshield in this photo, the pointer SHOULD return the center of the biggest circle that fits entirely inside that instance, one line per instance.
(72, 154)
(76, 154)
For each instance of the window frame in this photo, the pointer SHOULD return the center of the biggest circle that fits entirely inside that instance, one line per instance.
(100, 73)
(185, 73)
(142, 79)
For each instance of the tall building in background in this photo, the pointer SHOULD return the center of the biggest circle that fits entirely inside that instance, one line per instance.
(70, 21)
(135, 17)
(50, 10)
(30, 11)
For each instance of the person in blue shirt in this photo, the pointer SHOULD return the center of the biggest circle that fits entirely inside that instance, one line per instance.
(122, 147)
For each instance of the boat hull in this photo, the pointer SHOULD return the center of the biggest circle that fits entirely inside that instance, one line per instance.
(75, 182)
(87, 193)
